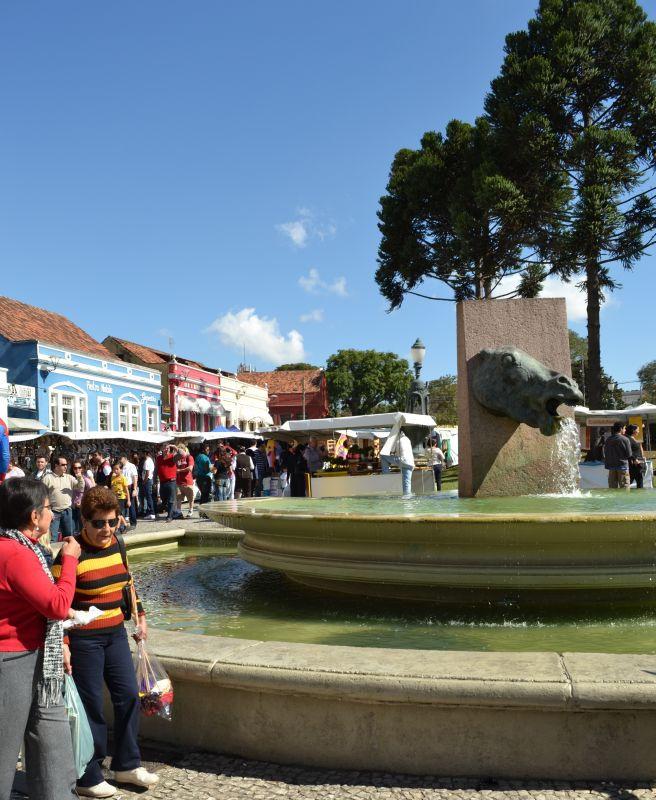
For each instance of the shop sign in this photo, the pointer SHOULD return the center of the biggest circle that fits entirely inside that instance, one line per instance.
(148, 398)
(92, 386)
(19, 396)
(601, 422)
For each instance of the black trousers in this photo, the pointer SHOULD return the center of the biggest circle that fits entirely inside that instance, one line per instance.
(205, 485)
(105, 658)
(437, 471)
(635, 473)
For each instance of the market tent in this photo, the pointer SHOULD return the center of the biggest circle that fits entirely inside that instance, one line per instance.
(234, 428)
(219, 429)
(212, 436)
(15, 438)
(148, 437)
(21, 425)
(368, 422)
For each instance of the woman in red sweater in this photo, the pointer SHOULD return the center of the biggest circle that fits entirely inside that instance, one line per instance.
(32, 606)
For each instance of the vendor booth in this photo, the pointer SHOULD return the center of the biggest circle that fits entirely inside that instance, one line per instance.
(363, 477)
(595, 425)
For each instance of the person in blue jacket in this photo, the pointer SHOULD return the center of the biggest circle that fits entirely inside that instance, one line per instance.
(4, 449)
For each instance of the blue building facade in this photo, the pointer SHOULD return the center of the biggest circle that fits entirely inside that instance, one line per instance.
(78, 392)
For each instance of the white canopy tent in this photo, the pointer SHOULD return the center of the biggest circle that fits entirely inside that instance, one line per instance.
(148, 437)
(374, 424)
(197, 437)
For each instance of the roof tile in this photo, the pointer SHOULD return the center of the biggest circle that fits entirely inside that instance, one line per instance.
(285, 381)
(21, 322)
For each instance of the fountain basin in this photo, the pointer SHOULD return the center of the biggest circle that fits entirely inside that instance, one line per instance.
(599, 551)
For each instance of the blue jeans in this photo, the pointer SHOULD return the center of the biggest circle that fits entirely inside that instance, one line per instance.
(147, 507)
(406, 472)
(99, 658)
(222, 489)
(61, 525)
(168, 491)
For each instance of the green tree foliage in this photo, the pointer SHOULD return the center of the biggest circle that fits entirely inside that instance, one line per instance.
(293, 367)
(611, 394)
(452, 215)
(576, 101)
(367, 381)
(442, 400)
(647, 378)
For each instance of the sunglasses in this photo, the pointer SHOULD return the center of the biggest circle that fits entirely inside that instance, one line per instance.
(99, 524)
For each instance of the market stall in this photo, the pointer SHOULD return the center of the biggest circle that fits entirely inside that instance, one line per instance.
(362, 476)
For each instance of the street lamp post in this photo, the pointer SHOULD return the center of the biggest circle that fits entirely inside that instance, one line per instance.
(417, 401)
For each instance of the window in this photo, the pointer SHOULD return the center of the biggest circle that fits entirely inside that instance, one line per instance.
(104, 415)
(129, 413)
(152, 418)
(122, 416)
(68, 410)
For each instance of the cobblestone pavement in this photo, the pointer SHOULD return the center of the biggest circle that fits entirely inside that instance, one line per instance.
(200, 776)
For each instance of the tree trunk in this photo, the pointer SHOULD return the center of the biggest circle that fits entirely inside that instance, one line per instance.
(593, 377)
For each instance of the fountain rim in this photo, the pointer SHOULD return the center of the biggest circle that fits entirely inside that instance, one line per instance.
(247, 508)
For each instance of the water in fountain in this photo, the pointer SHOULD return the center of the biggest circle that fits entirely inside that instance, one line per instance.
(565, 457)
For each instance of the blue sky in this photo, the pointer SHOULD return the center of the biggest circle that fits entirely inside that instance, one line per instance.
(211, 170)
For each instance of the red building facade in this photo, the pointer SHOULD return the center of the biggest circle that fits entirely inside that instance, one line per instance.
(293, 394)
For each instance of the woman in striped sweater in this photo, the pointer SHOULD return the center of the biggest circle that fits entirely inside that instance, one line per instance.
(100, 650)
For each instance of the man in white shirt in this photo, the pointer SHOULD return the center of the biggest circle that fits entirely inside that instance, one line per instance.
(131, 475)
(398, 450)
(147, 475)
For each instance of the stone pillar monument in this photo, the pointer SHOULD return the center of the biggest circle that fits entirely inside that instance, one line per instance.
(497, 455)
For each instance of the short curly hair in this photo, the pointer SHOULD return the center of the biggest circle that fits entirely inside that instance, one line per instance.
(98, 498)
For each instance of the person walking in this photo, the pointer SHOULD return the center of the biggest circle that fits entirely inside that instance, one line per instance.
(617, 452)
(78, 469)
(61, 486)
(261, 462)
(131, 475)
(121, 488)
(435, 459)
(398, 450)
(637, 460)
(244, 470)
(185, 479)
(147, 474)
(167, 471)
(203, 473)
(99, 653)
(299, 470)
(31, 645)
(221, 470)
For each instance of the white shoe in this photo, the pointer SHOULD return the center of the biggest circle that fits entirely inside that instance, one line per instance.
(103, 789)
(151, 516)
(189, 514)
(139, 777)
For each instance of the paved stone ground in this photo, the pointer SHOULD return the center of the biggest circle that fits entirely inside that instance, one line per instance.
(199, 776)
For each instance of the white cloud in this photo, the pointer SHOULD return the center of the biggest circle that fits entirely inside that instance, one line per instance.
(575, 299)
(312, 283)
(316, 315)
(307, 226)
(296, 231)
(260, 335)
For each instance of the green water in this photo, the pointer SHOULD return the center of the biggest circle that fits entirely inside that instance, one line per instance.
(600, 501)
(209, 590)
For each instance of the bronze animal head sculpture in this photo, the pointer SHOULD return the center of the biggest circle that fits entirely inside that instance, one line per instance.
(510, 383)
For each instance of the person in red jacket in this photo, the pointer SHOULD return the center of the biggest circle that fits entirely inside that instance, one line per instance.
(4, 449)
(32, 606)
(167, 472)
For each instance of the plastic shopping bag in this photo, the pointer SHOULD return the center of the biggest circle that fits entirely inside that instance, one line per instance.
(83, 748)
(155, 687)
